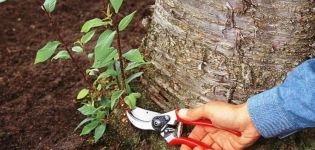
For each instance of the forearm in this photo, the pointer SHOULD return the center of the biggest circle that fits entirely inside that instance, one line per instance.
(288, 107)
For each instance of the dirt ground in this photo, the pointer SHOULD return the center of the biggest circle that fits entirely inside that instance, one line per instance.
(37, 102)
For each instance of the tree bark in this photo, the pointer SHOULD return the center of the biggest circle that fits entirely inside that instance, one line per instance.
(205, 50)
(226, 50)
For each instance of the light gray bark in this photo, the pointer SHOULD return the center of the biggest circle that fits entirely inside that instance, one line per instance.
(205, 50)
(225, 50)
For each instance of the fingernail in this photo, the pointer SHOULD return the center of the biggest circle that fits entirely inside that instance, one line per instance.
(183, 112)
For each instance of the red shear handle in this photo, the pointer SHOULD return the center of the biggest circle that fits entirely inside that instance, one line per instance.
(192, 143)
(204, 122)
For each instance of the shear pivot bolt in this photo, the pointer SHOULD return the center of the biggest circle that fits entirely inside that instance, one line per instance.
(167, 118)
(157, 123)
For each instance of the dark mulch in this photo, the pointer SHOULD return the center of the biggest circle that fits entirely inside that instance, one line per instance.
(37, 102)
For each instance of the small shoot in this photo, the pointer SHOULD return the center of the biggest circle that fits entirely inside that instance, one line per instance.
(106, 75)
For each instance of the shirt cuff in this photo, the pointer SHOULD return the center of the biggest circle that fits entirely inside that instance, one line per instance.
(268, 115)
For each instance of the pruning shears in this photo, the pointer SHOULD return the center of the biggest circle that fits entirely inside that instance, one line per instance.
(169, 125)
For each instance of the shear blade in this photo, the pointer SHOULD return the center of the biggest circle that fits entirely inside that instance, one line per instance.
(144, 125)
(143, 114)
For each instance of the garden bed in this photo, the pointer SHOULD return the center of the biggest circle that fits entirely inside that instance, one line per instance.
(37, 103)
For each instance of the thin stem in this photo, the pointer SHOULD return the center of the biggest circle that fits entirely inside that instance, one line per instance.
(122, 68)
(117, 78)
(74, 61)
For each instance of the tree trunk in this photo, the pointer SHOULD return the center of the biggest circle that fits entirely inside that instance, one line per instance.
(217, 50)
(206, 50)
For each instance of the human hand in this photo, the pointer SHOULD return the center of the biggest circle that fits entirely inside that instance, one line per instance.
(224, 116)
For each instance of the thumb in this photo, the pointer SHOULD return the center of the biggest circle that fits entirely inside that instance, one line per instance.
(193, 114)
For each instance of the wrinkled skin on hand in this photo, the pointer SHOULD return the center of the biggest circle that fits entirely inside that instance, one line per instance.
(225, 116)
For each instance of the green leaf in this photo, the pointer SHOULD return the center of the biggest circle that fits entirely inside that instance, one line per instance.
(89, 127)
(116, 4)
(100, 114)
(107, 73)
(50, 5)
(99, 87)
(135, 64)
(110, 84)
(125, 21)
(105, 102)
(83, 122)
(1, 1)
(96, 22)
(105, 40)
(87, 37)
(99, 131)
(136, 95)
(46, 52)
(62, 55)
(128, 89)
(77, 49)
(131, 100)
(90, 55)
(118, 69)
(105, 60)
(83, 93)
(134, 55)
(116, 57)
(115, 95)
(136, 75)
(103, 52)
(91, 72)
(87, 109)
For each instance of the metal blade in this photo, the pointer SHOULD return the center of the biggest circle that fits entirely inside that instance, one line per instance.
(144, 125)
(143, 114)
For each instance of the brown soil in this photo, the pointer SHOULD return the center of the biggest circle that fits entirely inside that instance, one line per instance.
(37, 102)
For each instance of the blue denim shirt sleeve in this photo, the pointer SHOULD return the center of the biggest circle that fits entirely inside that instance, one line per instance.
(286, 108)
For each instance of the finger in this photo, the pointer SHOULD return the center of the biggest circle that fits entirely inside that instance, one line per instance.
(198, 148)
(235, 142)
(193, 114)
(208, 140)
(198, 133)
(216, 146)
(211, 130)
(184, 147)
(223, 139)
